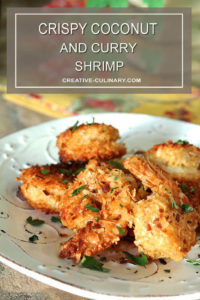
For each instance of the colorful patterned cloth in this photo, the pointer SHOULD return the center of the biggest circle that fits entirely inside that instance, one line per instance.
(184, 107)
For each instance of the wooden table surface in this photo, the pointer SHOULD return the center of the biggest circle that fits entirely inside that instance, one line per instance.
(13, 285)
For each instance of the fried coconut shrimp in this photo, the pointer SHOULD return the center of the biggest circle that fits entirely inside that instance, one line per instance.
(98, 206)
(89, 141)
(165, 222)
(181, 161)
(93, 238)
(154, 177)
(43, 186)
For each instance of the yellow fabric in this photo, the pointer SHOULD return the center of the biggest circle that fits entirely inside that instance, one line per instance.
(182, 107)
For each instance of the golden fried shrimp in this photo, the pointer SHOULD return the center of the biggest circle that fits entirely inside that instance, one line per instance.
(90, 141)
(181, 161)
(165, 222)
(155, 178)
(43, 186)
(99, 207)
(93, 238)
(163, 232)
(105, 188)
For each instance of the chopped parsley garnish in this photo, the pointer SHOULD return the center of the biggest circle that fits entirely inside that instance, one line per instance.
(97, 219)
(173, 204)
(33, 238)
(141, 260)
(181, 142)
(135, 271)
(34, 222)
(112, 190)
(74, 126)
(192, 190)
(85, 196)
(45, 171)
(66, 171)
(70, 172)
(195, 262)
(55, 219)
(91, 122)
(116, 163)
(94, 209)
(65, 181)
(186, 208)
(121, 230)
(184, 188)
(167, 270)
(78, 171)
(78, 190)
(116, 177)
(91, 263)
(121, 205)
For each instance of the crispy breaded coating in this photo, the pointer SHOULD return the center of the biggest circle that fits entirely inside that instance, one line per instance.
(101, 186)
(162, 227)
(155, 178)
(163, 232)
(93, 238)
(181, 161)
(104, 193)
(43, 186)
(90, 141)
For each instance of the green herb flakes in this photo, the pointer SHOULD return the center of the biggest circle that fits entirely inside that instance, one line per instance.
(121, 230)
(70, 172)
(91, 122)
(33, 238)
(116, 163)
(78, 190)
(112, 190)
(141, 260)
(121, 205)
(78, 171)
(192, 190)
(173, 204)
(65, 181)
(45, 171)
(195, 262)
(93, 209)
(167, 270)
(186, 208)
(97, 219)
(66, 171)
(55, 219)
(34, 222)
(91, 263)
(74, 126)
(181, 142)
(184, 188)
(116, 177)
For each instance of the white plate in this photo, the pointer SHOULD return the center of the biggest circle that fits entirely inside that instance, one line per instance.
(40, 260)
